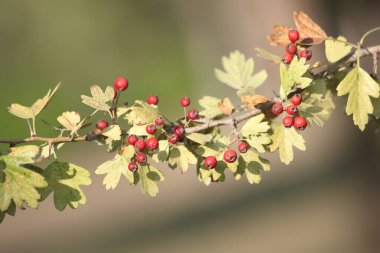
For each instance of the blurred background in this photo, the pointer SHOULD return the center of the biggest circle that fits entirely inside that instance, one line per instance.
(327, 200)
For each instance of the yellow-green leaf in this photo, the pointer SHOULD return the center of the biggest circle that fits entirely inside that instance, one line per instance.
(99, 100)
(336, 49)
(211, 107)
(255, 132)
(181, 157)
(70, 121)
(294, 76)
(268, 55)
(113, 132)
(141, 113)
(149, 175)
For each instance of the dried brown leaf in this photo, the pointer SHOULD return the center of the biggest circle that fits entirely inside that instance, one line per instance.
(279, 36)
(310, 32)
(226, 106)
(251, 101)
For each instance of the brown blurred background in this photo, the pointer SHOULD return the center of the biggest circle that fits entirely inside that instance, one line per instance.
(327, 200)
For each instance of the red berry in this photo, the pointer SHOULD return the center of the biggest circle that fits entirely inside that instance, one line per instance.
(287, 121)
(300, 123)
(293, 35)
(210, 162)
(132, 166)
(121, 83)
(140, 145)
(173, 139)
(230, 156)
(141, 158)
(296, 99)
(243, 147)
(152, 100)
(291, 48)
(287, 58)
(151, 129)
(102, 124)
(179, 130)
(159, 121)
(277, 108)
(132, 139)
(185, 101)
(307, 54)
(193, 114)
(291, 109)
(152, 143)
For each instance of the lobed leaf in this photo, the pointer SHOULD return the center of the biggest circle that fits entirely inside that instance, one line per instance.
(149, 175)
(99, 100)
(336, 49)
(293, 77)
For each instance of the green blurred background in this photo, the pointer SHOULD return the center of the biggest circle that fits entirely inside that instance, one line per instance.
(325, 201)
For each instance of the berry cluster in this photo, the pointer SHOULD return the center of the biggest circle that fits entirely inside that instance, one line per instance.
(291, 48)
(292, 119)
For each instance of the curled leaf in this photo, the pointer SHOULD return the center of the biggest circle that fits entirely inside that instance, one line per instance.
(279, 36)
(310, 32)
(226, 106)
(251, 101)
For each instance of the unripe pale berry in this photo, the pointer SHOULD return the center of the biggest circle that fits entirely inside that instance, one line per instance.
(132, 166)
(121, 83)
(291, 48)
(102, 124)
(152, 100)
(287, 121)
(132, 139)
(243, 147)
(287, 58)
(152, 143)
(293, 35)
(179, 130)
(210, 162)
(185, 101)
(307, 54)
(192, 114)
(277, 108)
(159, 121)
(296, 99)
(140, 145)
(299, 123)
(173, 139)
(141, 158)
(151, 129)
(291, 109)
(230, 156)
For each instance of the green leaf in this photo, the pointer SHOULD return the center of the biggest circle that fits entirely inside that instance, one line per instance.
(359, 86)
(215, 146)
(113, 132)
(18, 183)
(238, 73)
(294, 77)
(99, 100)
(284, 139)
(142, 113)
(181, 157)
(64, 180)
(199, 138)
(255, 132)
(31, 112)
(163, 152)
(268, 55)
(252, 164)
(149, 176)
(117, 167)
(211, 107)
(336, 49)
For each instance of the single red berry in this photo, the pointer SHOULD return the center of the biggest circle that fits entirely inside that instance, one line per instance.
(121, 83)
(230, 156)
(141, 158)
(287, 58)
(152, 100)
(293, 35)
(307, 54)
(300, 123)
(173, 139)
(192, 114)
(291, 109)
(151, 128)
(296, 99)
(291, 48)
(277, 108)
(179, 130)
(287, 121)
(185, 101)
(132, 166)
(210, 162)
(152, 143)
(243, 147)
(102, 124)
(159, 121)
(132, 139)
(140, 145)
